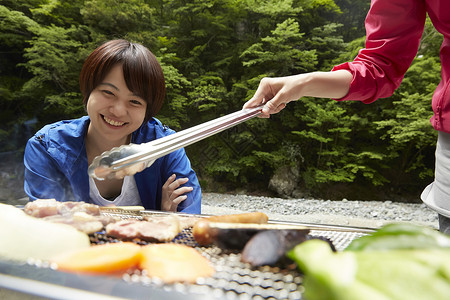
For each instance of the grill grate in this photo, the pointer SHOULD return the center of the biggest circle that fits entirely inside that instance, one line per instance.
(234, 279)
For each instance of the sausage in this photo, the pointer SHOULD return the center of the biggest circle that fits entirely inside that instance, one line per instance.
(203, 235)
(250, 217)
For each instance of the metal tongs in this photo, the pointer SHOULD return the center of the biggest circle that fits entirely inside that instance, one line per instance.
(133, 158)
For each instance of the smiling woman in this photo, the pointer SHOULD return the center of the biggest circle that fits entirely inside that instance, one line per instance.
(123, 88)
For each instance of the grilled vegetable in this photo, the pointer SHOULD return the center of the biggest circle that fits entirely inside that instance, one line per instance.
(267, 247)
(381, 268)
(23, 236)
(401, 236)
(106, 258)
(234, 236)
(174, 262)
(224, 235)
(204, 236)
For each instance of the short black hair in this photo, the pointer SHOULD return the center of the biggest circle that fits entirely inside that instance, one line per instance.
(141, 70)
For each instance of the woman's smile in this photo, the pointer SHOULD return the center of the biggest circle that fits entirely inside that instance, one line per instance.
(113, 122)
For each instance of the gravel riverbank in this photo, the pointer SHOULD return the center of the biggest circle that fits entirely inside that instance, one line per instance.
(370, 214)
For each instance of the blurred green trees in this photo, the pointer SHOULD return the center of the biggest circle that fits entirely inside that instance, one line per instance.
(213, 54)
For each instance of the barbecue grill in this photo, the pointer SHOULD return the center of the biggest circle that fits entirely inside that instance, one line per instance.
(233, 279)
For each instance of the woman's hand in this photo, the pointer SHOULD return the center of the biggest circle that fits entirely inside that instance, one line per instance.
(276, 92)
(173, 194)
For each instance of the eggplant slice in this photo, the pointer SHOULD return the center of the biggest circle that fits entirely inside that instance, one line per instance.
(267, 247)
(234, 236)
(270, 246)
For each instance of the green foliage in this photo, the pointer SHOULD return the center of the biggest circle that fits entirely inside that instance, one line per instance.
(173, 113)
(213, 54)
(327, 44)
(57, 12)
(351, 50)
(276, 55)
(407, 128)
(50, 59)
(352, 18)
(208, 92)
(329, 129)
(15, 26)
(116, 18)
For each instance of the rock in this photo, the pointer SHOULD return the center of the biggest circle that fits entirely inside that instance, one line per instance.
(285, 182)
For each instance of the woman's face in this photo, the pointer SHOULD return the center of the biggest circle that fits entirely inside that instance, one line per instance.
(114, 110)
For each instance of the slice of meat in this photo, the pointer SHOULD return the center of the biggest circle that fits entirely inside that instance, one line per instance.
(72, 206)
(185, 221)
(188, 222)
(88, 225)
(83, 216)
(125, 229)
(48, 207)
(42, 208)
(161, 229)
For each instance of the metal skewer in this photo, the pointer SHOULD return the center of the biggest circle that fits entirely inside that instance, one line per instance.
(133, 158)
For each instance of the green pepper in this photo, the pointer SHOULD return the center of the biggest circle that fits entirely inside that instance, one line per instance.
(401, 236)
(398, 261)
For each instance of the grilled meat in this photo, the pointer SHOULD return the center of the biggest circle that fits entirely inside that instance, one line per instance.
(157, 229)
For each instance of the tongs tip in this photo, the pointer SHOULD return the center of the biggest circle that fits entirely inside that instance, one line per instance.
(100, 172)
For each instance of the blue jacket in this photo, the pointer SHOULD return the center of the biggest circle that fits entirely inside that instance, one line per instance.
(56, 165)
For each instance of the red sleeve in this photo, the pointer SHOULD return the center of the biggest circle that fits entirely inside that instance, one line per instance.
(393, 32)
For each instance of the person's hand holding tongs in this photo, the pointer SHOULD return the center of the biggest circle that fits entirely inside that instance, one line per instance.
(133, 158)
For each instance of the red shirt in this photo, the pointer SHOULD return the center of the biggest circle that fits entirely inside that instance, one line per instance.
(394, 29)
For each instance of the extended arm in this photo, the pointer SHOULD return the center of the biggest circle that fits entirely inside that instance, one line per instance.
(277, 92)
(394, 29)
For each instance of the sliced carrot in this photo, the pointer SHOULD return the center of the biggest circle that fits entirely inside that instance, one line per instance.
(174, 262)
(107, 258)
